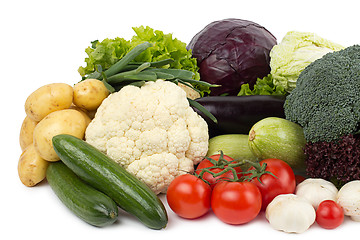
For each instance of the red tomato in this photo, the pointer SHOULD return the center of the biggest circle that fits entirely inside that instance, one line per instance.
(271, 186)
(329, 214)
(299, 179)
(208, 177)
(236, 202)
(189, 196)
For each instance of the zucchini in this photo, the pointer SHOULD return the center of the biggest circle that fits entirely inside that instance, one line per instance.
(233, 145)
(87, 203)
(237, 114)
(104, 174)
(278, 138)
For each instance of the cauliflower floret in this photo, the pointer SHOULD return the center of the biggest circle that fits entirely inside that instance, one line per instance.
(151, 131)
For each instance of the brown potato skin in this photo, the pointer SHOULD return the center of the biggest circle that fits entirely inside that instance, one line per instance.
(47, 99)
(67, 121)
(89, 94)
(31, 167)
(26, 132)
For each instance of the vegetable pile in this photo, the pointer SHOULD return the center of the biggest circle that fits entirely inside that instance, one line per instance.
(234, 123)
(326, 104)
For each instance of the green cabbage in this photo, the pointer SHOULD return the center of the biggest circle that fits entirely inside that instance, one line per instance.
(296, 51)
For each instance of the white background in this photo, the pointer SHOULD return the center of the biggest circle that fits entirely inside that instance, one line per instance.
(44, 41)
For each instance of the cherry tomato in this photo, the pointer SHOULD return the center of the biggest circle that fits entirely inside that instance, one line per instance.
(188, 196)
(271, 186)
(329, 214)
(208, 177)
(236, 202)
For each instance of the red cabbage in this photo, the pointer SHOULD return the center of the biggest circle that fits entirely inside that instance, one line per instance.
(232, 52)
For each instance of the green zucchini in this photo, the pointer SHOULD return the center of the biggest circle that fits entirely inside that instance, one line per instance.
(87, 203)
(233, 145)
(274, 137)
(101, 172)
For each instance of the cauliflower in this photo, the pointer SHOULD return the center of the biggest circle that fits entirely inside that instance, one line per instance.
(150, 131)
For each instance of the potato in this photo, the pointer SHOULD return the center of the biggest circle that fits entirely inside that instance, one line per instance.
(89, 94)
(67, 121)
(84, 112)
(47, 99)
(31, 167)
(26, 132)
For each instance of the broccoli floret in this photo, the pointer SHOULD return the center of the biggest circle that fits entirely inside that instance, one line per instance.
(326, 100)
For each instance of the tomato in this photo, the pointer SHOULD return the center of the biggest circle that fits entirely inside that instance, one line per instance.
(271, 186)
(188, 196)
(208, 177)
(236, 202)
(299, 179)
(329, 214)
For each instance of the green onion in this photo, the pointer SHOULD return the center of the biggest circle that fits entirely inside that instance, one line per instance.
(202, 109)
(130, 56)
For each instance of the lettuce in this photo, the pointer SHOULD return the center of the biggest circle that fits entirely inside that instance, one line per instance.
(107, 52)
(296, 51)
(104, 53)
(263, 86)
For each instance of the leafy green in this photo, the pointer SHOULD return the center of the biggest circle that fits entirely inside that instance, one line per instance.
(104, 53)
(164, 47)
(263, 86)
(296, 51)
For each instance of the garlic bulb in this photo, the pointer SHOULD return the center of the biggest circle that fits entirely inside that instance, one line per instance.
(316, 190)
(348, 198)
(290, 213)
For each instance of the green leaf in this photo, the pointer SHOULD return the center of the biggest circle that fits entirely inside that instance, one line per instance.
(202, 109)
(263, 86)
(166, 51)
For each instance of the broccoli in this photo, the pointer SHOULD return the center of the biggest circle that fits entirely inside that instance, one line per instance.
(326, 100)
(326, 103)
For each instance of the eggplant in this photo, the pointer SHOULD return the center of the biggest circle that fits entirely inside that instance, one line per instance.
(237, 114)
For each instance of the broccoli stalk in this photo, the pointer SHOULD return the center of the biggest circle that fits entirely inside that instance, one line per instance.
(326, 103)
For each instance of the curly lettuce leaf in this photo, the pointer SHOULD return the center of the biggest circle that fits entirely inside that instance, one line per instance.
(104, 53)
(107, 52)
(263, 86)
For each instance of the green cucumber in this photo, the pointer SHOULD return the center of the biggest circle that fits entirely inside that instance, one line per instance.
(87, 203)
(104, 174)
(233, 145)
(279, 138)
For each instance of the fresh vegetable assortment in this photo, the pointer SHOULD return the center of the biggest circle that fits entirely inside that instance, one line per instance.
(231, 124)
(325, 103)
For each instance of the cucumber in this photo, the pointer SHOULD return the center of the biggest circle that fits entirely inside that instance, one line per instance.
(87, 203)
(104, 174)
(279, 138)
(233, 145)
